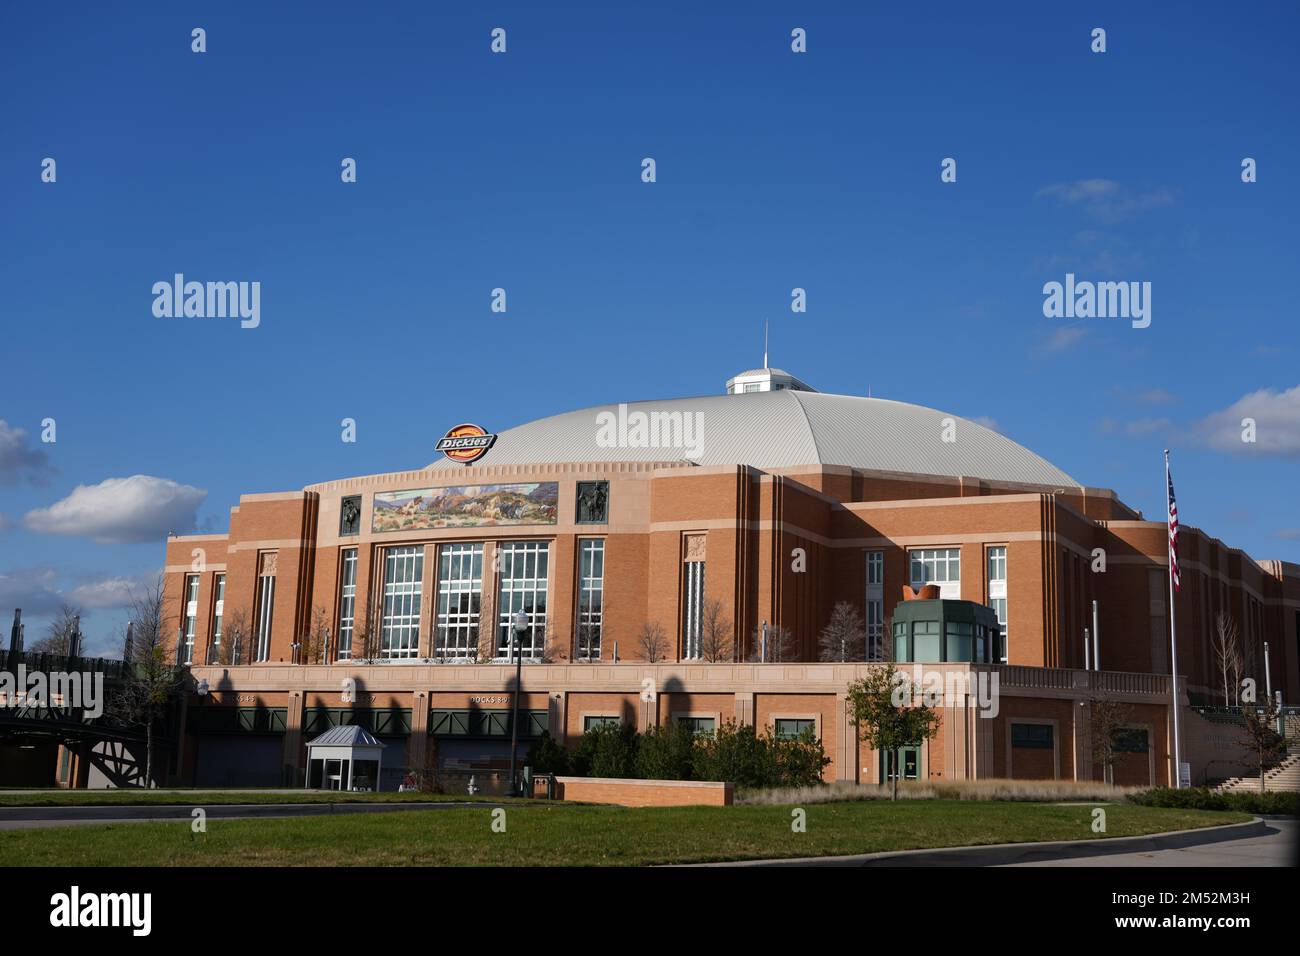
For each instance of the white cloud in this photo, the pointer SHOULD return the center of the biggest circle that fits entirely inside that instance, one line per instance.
(1152, 395)
(19, 462)
(1095, 253)
(1105, 199)
(111, 592)
(1287, 534)
(1081, 190)
(1065, 337)
(990, 423)
(1135, 427)
(1277, 424)
(40, 591)
(1146, 426)
(35, 590)
(121, 510)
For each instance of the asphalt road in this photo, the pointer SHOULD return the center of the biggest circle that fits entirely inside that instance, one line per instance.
(26, 818)
(1266, 842)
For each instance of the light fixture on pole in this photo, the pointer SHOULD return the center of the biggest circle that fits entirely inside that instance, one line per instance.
(519, 627)
(1096, 639)
(1268, 677)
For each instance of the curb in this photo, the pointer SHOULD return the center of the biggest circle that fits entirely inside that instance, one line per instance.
(1105, 846)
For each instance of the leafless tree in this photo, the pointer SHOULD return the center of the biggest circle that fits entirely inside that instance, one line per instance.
(235, 630)
(1238, 666)
(716, 640)
(652, 642)
(1227, 652)
(1263, 742)
(1251, 663)
(781, 645)
(844, 637)
(486, 645)
(367, 635)
(547, 648)
(588, 642)
(152, 678)
(314, 644)
(1109, 718)
(58, 635)
(887, 640)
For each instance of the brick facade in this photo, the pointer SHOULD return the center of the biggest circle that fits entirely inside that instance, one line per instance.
(753, 528)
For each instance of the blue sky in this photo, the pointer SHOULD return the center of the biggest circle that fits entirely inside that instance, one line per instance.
(775, 170)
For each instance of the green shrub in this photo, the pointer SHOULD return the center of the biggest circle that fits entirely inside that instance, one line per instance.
(735, 752)
(606, 750)
(799, 760)
(546, 756)
(666, 753)
(1200, 798)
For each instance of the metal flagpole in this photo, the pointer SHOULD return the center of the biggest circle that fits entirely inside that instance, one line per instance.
(1173, 634)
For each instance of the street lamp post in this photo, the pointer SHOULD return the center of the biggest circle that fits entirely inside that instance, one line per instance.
(518, 629)
(201, 688)
(1268, 676)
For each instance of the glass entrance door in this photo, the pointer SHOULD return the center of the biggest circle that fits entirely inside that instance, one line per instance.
(906, 766)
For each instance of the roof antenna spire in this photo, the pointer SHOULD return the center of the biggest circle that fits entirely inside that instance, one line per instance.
(765, 365)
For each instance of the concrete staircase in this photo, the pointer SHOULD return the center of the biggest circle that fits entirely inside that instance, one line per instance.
(1285, 776)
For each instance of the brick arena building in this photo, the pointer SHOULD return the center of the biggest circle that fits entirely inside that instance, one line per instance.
(696, 547)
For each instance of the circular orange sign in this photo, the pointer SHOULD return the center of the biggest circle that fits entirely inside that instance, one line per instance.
(465, 443)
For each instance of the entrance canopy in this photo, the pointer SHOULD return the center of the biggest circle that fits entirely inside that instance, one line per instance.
(344, 758)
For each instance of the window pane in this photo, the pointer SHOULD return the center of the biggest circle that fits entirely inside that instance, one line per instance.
(591, 588)
(925, 641)
(399, 631)
(266, 610)
(191, 617)
(692, 608)
(522, 588)
(347, 603)
(460, 592)
(1031, 735)
(218, 612)
(788, 728)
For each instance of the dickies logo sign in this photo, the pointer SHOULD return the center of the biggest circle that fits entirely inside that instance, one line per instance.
(465, 443)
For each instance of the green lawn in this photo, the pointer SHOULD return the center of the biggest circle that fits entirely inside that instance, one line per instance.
(560, 834)
(209, 798)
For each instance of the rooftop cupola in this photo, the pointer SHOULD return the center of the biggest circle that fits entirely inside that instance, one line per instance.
(766, 379)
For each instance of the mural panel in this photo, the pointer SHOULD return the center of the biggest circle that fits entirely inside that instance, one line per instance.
(466, 506)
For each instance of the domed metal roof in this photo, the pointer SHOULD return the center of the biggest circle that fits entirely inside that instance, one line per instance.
(773, 430)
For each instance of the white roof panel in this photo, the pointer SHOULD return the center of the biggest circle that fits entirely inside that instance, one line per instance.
(773, 430)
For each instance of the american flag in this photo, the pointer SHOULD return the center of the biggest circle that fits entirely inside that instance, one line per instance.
(1173, 532)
